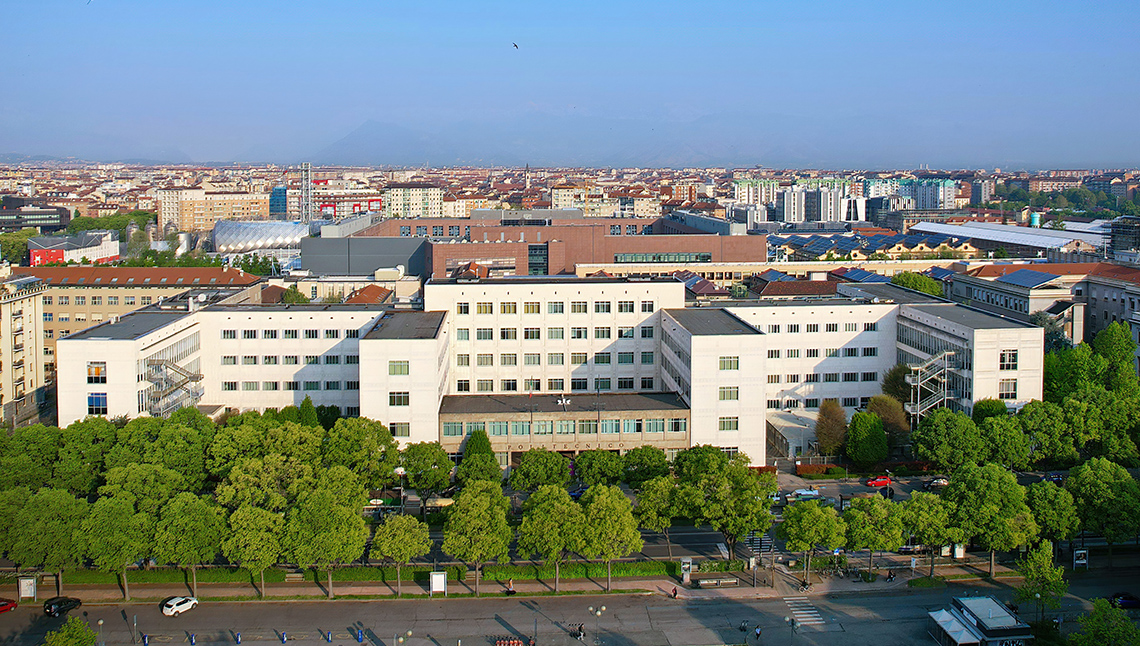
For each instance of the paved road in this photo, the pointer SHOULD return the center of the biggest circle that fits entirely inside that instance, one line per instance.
(871, 618)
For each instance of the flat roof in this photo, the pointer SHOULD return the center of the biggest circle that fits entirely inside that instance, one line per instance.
(407, 325)
(302, 307)
(887, 292)
(131, 326)
(710, 321)
(972, 318)
(558, 278)
(574, 403)
(989, 612)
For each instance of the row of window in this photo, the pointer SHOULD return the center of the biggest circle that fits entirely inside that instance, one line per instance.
(290, 360)
(552, 359)
(290, 385)
(813, 402)
(555, 307)
(813, 328)
(436, 230)
(813, 353)
(577, 384)
(825, 377)
(569, 426)
(553, 333)
(80, 317)
(290, 334)
(98, 300)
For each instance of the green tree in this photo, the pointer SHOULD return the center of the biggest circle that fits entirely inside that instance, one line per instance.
(427, 467)
(11, 502)
(598, 466)
(657, 507)
(180, 449)
(891, 412)
(928, 518)
(831, 428)
(309, 413)
(79, 465)
(894, 383)
(1114, 343)
(479, 467)
(363, 446)
(271, 483)
(1055, 337)
(734, 501)
(1107, 500)
(692, 463)
(73, 632)
(989, 507)
(478, 444)
(1054, 510)
(1070, 370)
(539, 467)
(14, 245)
(1106, 626)
(1043, 584)
(808, 525)
(322, 532)
(874, 524)
(1007, 444)
(1044, 424)
(984, 408)
(866, 440)
(917, 282)
(293, 296)
(609, 531)
(399, 539)
(188, 533)
(115, 535)
(948, 438)
(644, 463)
(254, 540)
(476, 530)
(45, 532)
(29, 455)
(552, 526)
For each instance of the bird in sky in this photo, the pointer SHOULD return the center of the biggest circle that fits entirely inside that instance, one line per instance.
(516, 45)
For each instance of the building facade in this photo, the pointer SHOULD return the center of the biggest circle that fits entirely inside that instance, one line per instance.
(196, 209)
(21, 344)
(412, 200)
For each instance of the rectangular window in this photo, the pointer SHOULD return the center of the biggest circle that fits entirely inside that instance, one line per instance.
(647, 331)
(602, 333)
(452, 429)
(532, 334)
(729, 393)
(601, 307)
(508, 359)
(812, 328)
(312, 385)
(312, 359)
(146, 300)
(811, 402)
(602, 359)
(530, 308)
(811, 378)
(730, 363)
(484, 359)
(832, 327)
(850, 402)
(831, 352)
(625, 332)
(870, 352)
(773, 379)
(292, 385)
(625, 357)
(399, 399)
(610, 426)
(112, 300)
(655, 425)
(554, 333)
(269, 334)
(270, 360)
(47, 300)
(229, 360)
(625, 383)
(484, 308)
(332, 334)
(870, 327)
(557, 307)
(850, 352)
(332, 359)
(312, 334)
(463, 386)
(579, 383)
(850, 327)
(498, 428)
(249, 361)
(578, 358)
(47, 317)
(485, 334)
(463, 308)
(532, 359)
(831, 377)
(97, 403)
(520, 428)
(729, 423)
(80, 300)
(463, 334)
(578, 307)
(588, 426)
(1007, 389)
(773, 329)
(773, 354)
(508, 308)
(66, 300)
(555, 358)
(792, 353)
(249, 334)
(509, 385)
(398, 367)
(850, 376)
(774, 404)
(625, 307)
(250, 385)
(870, 376)
(96, 300)
(647, 358)
(579, 333)
(400, 429)
(508, 334)
(647, 383)
(352, 385)
(289, 360)
(678, 425)
(485, 385)
(229, 334)
(791, 403)
(352, 359)
(1007, 360)
(128, 300)
(289, 334)
(270, 385)
(229, 385)
(96, 372)
(647, 307)
(631, 426)
(793, 328)
(532, 385)
(555, 385)
(601, 383)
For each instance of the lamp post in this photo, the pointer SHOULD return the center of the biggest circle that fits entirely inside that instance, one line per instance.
(597, 612)
(792, 625)
(400, 471)
(400, 639)
(100, 622)
(1037, 596)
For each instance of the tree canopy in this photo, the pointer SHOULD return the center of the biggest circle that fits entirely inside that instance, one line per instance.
(831, 428)
(917, 282)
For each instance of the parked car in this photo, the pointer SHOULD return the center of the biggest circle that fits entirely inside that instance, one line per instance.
(803, 494)
(1125, 600)
(1056, 478)
(578, 492)
(879, 481)
(175, 606)
(7, 604)
(935, 483)
(59, 606)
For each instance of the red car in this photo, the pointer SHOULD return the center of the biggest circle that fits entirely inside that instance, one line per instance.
(7, 604)
(879, 481)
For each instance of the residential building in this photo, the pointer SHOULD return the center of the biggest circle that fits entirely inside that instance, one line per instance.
(413, 200)
(89, 246)
(981, 191)
(21, 343)
(197, 209)
(23, 212)
(1022, 293)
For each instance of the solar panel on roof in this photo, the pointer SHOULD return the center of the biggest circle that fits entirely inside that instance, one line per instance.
(1027, 278)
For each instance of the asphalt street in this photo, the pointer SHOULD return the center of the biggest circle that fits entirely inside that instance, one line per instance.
(871, 618)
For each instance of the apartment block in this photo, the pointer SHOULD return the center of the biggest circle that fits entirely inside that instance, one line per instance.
(196, 209)
(412, 200)
(21, 340)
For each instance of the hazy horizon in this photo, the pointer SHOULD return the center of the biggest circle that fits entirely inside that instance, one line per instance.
(833, 85)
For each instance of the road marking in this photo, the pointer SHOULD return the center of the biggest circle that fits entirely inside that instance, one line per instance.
(803, 611)
(723, 549)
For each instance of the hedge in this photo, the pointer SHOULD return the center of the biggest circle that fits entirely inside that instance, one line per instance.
(815, 469)
(581, 570)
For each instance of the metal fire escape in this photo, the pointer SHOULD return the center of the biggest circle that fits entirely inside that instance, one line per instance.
(929, 384)
(174, 387)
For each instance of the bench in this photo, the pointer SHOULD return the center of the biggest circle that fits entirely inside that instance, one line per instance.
(294, 577)
(718, 582)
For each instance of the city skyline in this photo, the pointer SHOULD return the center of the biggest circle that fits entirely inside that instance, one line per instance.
(1017, 85)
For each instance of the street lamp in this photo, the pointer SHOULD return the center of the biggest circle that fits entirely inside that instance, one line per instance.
(597, 612)
(399, 639)
(400, 471)
(792, 625)
(100, 622)
(1037, 596)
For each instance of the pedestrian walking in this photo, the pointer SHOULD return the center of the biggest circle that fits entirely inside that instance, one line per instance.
(758, 631)
(510, 587)
(674, 593)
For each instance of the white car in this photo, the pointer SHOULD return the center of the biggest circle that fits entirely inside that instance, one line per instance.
(178, 605)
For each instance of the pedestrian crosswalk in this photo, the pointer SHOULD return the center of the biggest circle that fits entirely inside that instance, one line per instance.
(803, 611)
(758, 543)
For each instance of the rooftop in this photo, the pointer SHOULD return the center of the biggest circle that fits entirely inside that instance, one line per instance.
(968, 316)
(886, 292)
(139, 276)
(547, 280)
(710, 321)
(575, 403)
(407, 325)
(131, 326)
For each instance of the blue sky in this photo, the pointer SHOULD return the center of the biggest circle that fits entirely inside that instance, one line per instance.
(840, 84)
